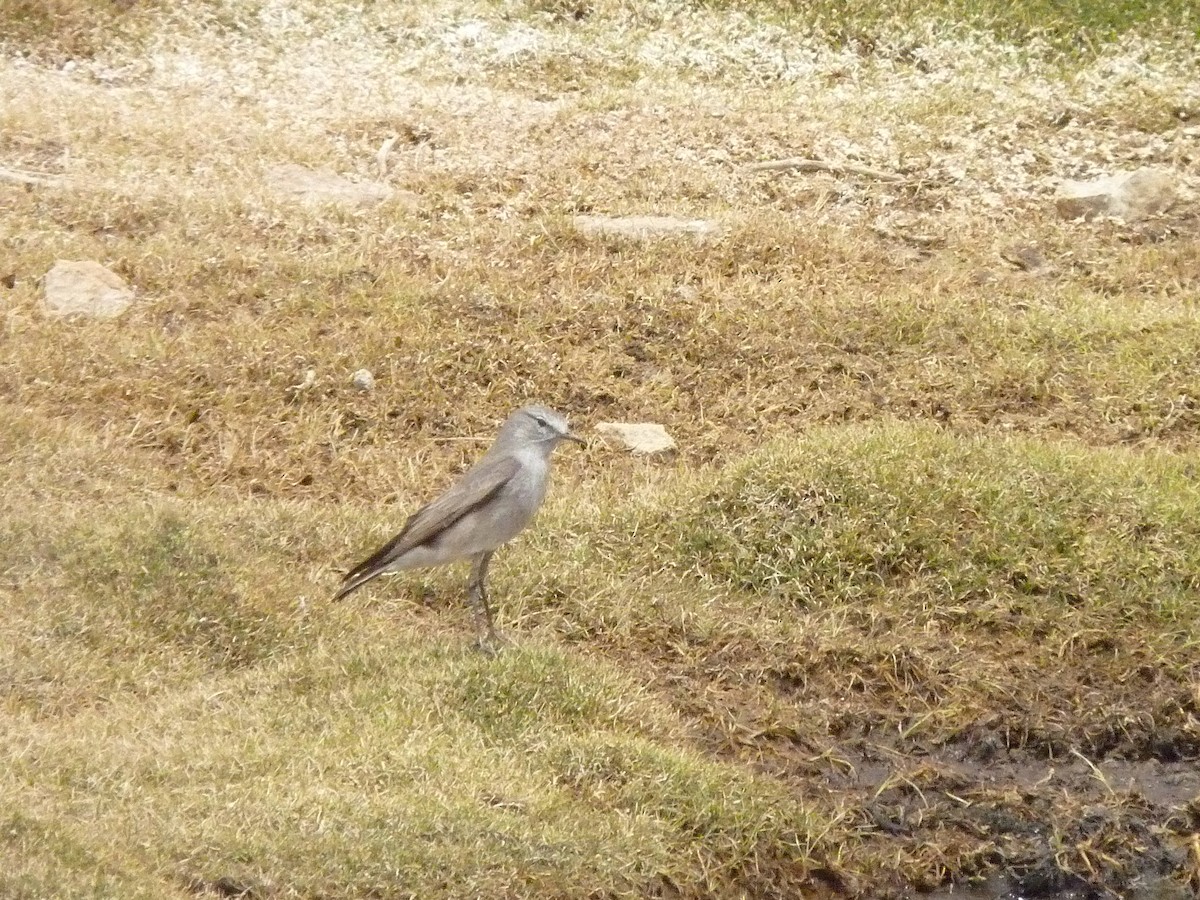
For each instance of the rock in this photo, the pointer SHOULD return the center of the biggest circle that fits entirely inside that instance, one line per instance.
(322, 186)
(638, 437)
(363, 380)
(84, 288)
(293, 391)
(1127, 195)
(1025, 257)
(644, 227)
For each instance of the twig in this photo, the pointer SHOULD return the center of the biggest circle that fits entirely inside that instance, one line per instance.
(1195, 848)
(928, 241)
(34, 178)
(800, 164)
(835, 760)
(381, 156)
(1096, 772)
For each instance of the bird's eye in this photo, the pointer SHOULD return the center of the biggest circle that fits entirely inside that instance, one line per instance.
(541, 422)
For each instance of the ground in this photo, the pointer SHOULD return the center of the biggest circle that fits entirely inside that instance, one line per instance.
(910, 610)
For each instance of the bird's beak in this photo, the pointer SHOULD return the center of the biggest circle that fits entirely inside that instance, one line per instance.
(576, 438)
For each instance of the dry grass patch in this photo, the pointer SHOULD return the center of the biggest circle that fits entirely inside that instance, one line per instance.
(67, 28)
(923, 567)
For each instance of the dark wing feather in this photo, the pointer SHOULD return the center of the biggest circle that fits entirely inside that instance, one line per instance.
(475, 489)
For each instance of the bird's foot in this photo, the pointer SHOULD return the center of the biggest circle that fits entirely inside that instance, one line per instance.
(493, 644)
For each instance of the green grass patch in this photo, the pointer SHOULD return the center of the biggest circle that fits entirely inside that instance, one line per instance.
(304, 779)
(922, 515)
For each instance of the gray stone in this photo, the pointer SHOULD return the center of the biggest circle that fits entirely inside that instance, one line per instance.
(363, 380)
(84, 288)
(637, 437)
(1025, 257)
(1127, 195)
(322, 186)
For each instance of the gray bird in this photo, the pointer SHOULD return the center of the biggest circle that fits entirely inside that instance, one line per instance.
(487, 507)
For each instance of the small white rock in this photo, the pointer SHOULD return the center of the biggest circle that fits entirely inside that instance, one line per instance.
(323, 186)
(363, 380)
(1127, 195)
(84, 288)
(637, 437)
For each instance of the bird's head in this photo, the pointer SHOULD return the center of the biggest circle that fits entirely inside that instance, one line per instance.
(538, 426)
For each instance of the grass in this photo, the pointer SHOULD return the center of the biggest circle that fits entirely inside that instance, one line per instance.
(953, 516)
(911, 606)
(300, 761)
(1079, 24)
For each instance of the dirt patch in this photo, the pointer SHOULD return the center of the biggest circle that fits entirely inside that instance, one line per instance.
(997, 810)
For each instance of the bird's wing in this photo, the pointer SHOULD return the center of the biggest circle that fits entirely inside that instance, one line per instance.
(474, 489)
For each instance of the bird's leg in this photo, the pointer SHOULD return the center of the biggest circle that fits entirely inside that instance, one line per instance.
(489, 641)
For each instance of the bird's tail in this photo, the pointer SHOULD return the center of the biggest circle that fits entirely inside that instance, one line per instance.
(354, 579)
(382, 560)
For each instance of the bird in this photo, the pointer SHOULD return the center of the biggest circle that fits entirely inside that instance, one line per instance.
(488, 506)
